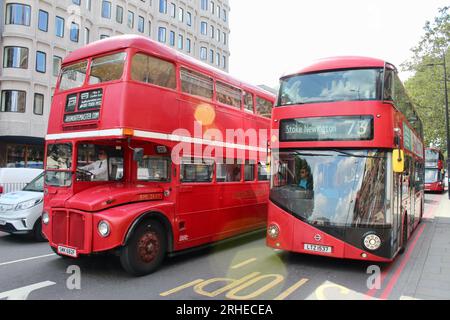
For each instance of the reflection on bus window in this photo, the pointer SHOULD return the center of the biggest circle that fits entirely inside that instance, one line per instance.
(154, 169)
(73, 76)
(148, 69)
(248, 102)
(249, 171)
(228, 95)
(263, 171)
(196, 84)
(195, 171)
(99, 163)
(107, 68)
(332, 188)
(264, 107)
(347, 85)
(227, 172)
(59, 156)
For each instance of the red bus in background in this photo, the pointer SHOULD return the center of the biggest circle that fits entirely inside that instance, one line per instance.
(123, 108)
(434, 170)
(347, 162)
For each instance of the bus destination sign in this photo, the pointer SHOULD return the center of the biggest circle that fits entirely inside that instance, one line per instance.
(349, 128)
(85, 116)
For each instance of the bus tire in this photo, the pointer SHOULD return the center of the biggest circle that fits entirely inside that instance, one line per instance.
(404, 235)
(145, 250)
(38, 235)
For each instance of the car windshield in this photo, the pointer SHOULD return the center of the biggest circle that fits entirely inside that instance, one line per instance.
(332, 188)
(331, 86)
(37, 185)
(431, 175)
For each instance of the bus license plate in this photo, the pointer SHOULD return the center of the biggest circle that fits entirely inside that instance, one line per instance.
(65, 251)
(316, 248)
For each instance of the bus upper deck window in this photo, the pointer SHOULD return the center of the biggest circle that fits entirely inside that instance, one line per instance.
(73, 76)
(107, 68)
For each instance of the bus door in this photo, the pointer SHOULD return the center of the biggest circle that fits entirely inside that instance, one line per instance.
(397, 212)
(197, 200)
(418, 189)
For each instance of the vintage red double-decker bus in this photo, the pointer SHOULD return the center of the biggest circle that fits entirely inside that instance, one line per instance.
(434, 170)
(127, 171)
(348, 161)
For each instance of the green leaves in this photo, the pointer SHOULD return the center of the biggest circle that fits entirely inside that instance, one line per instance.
(426, 87)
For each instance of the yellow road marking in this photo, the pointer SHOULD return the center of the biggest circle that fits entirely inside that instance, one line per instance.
(233, 294)
(244, 263)
(199, 288)
(289, 291)
(182, 287)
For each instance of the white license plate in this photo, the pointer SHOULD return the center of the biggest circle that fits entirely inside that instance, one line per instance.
(65, 251)
(317, 248)
(2, 223)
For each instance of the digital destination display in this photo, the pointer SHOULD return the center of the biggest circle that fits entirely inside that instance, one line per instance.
(327, 129)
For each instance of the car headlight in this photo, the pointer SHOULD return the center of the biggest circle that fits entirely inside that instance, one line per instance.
(273, 231)
(45, 218)
(28, 204)
(104, 228)
(6, 207)
(372, 242)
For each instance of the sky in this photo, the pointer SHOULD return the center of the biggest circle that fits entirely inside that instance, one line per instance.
(271, 38)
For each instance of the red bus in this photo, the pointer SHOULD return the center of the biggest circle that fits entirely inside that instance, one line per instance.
(348, 161)
(434, 170)
(126, 171)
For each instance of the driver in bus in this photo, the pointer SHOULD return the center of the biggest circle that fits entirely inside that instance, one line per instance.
(99, 168)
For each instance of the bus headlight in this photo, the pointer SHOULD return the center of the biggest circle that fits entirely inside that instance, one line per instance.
(372, 242)
(104, 229)
(273, 231)
(45, 218)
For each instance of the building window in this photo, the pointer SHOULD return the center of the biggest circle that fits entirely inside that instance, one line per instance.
(41, 64)
(43, 20)
(106, 9)
(15, 57)
(180, 42)
(163, 6)
(130, 19)
(204, 4)
(211, 55)
(212, 8)
(24, 156)
(88, 5)
(188, 45)
(57, 61)
(224, 62)
(204, 28)
(203, 53)
(18, 14)
(74, 32)
(77, 2)
(141, 24)
(218, 59)
(189, 19)
(172, 38)
(38, 107)
(59, 27)
(224, 38)
(87, 35)
(213, 33)
(149, 28)
(13, 101)
(162, 34)
(173, 10)
(104, 36)
(119, 14)
(224, 15)
(181, 14)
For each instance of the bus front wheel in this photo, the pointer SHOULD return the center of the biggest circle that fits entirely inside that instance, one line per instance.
(146, 249)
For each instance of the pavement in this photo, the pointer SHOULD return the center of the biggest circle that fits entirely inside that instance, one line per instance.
(431, 276)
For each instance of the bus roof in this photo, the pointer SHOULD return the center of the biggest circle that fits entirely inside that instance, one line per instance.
(337, 63)
(155, 48)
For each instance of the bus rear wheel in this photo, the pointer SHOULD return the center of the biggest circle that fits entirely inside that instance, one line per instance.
(146, 249)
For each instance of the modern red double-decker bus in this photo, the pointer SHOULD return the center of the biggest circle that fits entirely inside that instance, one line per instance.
(434, 170)
(150, 152)
(347, 162)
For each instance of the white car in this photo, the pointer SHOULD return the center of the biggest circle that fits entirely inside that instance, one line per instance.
(20, 211)
(14, 179)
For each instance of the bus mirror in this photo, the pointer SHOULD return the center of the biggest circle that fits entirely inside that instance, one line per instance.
(398, 160)
(138, 154)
